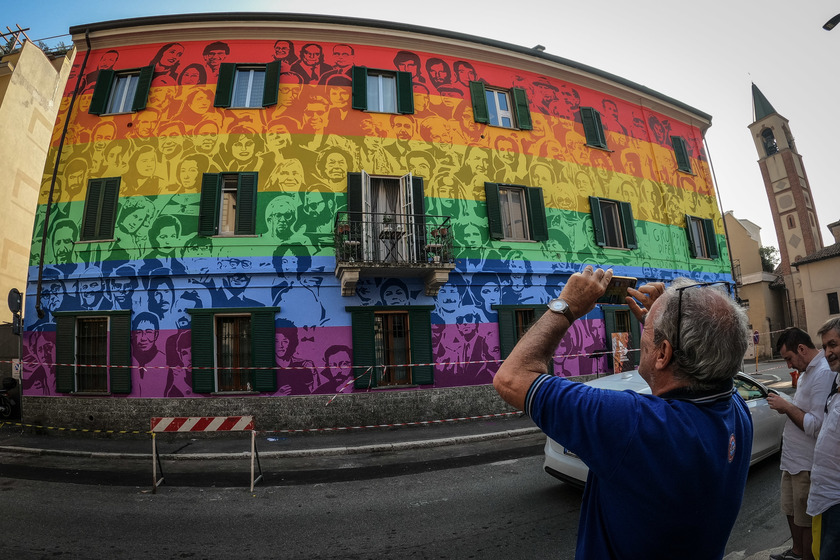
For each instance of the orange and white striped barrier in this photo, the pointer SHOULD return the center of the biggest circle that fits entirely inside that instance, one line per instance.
(193, 424)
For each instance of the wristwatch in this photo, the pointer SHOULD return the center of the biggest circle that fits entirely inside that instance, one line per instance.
(559, 305)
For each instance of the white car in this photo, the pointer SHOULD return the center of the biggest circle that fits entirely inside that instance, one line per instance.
(767, 424)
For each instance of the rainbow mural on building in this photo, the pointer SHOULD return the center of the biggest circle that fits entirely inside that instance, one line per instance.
(159, 269)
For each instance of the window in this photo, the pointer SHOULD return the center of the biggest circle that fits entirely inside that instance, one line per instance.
(87, 346)
(592, 128)
(379, 206)
(681, 153)
(392, 336)
(515, 212)
(613, 223)
(382, 91)
(702, 242)
(100, 209)
(226, 343)
(833, 304)
(506, 108)
(121, 92)
(247, 86)
(228, 204)
(514, 321)
(618, 319)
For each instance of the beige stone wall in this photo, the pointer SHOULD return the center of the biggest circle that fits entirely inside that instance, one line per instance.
(743, 247)
(818, 280)
(29, 100)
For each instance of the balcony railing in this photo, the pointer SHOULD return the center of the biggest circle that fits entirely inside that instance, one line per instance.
(393, 240)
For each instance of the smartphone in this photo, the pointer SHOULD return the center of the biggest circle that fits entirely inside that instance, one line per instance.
(617, 290)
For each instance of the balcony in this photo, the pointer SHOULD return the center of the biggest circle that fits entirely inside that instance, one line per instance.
(375, 244)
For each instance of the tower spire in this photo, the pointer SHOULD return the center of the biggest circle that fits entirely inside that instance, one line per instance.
(761, 106)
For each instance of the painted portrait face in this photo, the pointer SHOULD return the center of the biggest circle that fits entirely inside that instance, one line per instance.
(75, 182)
(340, 364)
(182, 318)
(135, 220)
(339, 97)
(206, 138)
(146, 122)
(335, 167)
(288, 94)
(281, 50)
(420, 166)
(281, 345)
(121, 291)
(103, 135)
(108, 60)
(466, 74)
(342, 56)
(145, 336)
(439, 74)
(311, 55)
(188, 175)
(281, 218)
(53, 295)
(190, 77)
(172, 55)
(290, 175)
(408, 66)
(478, 162)
(315, 116)
(315, 205)
(162, 298)
(278, 137)
(243, 149)
(403, 128)
(63, 244)
(542, 176)
(186, 357)
(89, 291)
(395, 295)
(201, 102)
(146, 164)
(166, 239)
(448, 298)
(491, 294)
(45, 350)
(170, 140)
(215, 58)
(472, 236)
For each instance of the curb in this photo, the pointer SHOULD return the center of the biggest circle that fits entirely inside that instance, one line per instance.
(323, 452)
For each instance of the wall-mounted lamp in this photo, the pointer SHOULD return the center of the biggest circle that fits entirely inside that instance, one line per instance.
(830, 24)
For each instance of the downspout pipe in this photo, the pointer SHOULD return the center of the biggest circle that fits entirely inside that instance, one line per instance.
(38, 307)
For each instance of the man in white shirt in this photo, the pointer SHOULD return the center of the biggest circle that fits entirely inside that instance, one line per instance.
(804, 420)
(824, 499)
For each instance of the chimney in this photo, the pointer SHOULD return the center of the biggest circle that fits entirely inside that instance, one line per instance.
(834, 228)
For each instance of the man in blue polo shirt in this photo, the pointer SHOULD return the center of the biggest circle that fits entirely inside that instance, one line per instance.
(667, 470)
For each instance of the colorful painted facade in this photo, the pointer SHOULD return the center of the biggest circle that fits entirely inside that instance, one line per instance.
(251, 210)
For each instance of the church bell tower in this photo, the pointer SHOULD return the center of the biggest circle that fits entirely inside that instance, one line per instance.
(791, 203)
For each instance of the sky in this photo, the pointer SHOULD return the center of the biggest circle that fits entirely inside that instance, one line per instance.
(705, 54)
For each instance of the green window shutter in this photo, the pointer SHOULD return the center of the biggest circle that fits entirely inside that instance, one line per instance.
(65, 353)
(354, 197)
(537, 222)
(690, 234)
(507, 331)
(521, 108)
(360, 88)
(597, 221)
(108, 208)
(101, 92)
(246, 204)
(364, 352)
(494, 210)
(405, 93)
(628, 225)
(141, 94)
(419, 210)
(93, 202)
(224, 85)
(681, 153)
(272, 83)
(711, 238)
(420, 327)
(262, 350)
(120, 350)
(203, 374)
(592, 127)
(208, 206)
(481, 114)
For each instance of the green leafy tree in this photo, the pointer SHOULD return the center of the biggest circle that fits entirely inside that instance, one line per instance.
(769, 258)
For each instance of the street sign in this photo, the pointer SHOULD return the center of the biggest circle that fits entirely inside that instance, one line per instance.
(15, 300)
(755, 337)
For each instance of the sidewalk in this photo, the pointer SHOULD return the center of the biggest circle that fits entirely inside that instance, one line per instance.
(21, 438)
